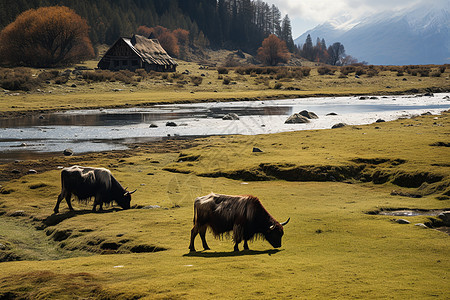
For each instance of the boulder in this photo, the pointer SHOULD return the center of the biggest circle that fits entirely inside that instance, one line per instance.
(296, 119)
(68, 152)
(332, 114)
(171, 124)
(153, 126)
(380, 121)
(402, 221)
(308, 114)
(445, 217)
(230, 116)
(338, 125)
(256, 149)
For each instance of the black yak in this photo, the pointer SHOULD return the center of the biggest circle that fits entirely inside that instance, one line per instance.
(244, 215)
(87, 182)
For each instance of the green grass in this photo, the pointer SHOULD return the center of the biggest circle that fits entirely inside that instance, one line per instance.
(331, 249)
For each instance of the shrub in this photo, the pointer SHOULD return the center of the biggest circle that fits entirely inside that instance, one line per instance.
(400, 73)
(306, 71)
(141, 72)
(324, 71)
(177, 75)
(347, 70)
(61, 79)
(18, 79)
(196, 80)
(278, 86)
(222, 70)
(360, 71)
(45, 75)
(226, 80)
(435, 74)
(442, 69)
(424, 72)
(372, 72)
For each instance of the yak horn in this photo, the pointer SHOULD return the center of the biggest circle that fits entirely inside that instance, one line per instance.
(284, 223)
(129, 193)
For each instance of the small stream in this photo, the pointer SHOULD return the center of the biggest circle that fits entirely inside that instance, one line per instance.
(113, 129)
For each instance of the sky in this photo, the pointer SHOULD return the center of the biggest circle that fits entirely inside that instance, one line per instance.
(306, 14)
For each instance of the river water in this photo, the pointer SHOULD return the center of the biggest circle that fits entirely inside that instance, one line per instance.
(114, 129)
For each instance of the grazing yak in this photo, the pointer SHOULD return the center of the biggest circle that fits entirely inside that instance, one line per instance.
(87, 182)
(244, 215)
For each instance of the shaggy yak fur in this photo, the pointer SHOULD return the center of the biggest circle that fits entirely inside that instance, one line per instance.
(87, 182)
(244, 215)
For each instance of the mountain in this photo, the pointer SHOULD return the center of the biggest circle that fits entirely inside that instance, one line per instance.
(418, 35)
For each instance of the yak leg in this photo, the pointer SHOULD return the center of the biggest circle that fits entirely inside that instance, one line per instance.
(245, 245)
(237, 236)
(98, 201)
(202, 231)
(60, 197)
(69, 203)
(56, 209)
(194, 233)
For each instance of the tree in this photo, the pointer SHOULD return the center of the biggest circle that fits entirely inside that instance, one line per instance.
(308, 49)
(336, 53)
(166, 38)
(286, 33)
(46, 37)
(273, 51)
(169, 42)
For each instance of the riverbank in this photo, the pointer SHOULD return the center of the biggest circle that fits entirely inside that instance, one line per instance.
(235, 85)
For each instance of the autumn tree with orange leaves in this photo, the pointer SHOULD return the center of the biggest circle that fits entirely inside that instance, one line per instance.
(46, 37)
(273, 51)
(166, 38)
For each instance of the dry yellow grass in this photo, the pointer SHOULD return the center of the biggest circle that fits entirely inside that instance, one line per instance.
(159, 89)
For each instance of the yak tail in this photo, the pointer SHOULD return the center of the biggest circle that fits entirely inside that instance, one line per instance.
(195, 213)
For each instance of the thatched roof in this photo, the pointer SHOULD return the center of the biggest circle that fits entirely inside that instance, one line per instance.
(149, 50)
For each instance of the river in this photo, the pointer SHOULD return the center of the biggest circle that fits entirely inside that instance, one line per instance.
(113, 129)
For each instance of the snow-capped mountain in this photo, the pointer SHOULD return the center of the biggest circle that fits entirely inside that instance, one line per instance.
(419, 35)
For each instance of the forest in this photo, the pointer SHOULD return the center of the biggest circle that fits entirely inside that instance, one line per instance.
(229, 24)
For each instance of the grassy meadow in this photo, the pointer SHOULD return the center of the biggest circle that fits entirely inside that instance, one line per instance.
(327, 181)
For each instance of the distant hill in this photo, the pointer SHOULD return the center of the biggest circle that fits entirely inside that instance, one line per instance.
(419, 35)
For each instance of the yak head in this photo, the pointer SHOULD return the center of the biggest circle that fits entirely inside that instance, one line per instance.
(125, 200)
(274, 234)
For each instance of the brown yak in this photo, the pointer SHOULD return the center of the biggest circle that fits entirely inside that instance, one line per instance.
(244, 215)
(87, 182)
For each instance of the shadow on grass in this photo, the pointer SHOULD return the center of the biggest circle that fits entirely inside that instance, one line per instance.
(55, 219)
(231, 253)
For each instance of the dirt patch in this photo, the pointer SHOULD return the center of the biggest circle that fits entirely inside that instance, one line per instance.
(146, 248)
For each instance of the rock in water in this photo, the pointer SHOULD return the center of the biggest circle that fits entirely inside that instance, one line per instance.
(296, 119)
(308, 114)
(230, 116)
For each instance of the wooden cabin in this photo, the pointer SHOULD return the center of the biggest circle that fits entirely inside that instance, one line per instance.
(137, 52)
